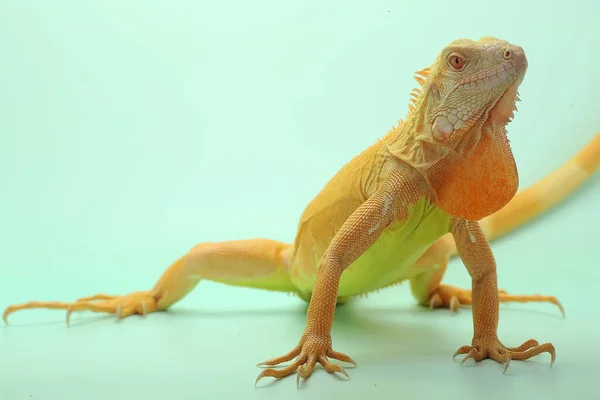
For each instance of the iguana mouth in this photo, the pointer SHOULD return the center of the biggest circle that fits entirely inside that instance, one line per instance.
(510, 71)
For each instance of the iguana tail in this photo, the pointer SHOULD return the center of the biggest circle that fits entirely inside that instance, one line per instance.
(544, 194)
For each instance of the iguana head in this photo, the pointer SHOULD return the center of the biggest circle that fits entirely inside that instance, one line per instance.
(455, 133)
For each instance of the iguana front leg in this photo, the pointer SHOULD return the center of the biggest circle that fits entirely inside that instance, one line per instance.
(356, 235)
(473, 248)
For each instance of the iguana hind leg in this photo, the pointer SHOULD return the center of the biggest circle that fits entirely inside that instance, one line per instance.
(426, 286)
(258, 263)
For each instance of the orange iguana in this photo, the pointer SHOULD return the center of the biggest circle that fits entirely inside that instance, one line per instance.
(441, 182)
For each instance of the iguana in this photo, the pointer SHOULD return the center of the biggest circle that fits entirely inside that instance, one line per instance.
(442, 182)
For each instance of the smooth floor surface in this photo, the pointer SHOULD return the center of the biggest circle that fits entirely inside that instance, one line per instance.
(130, 131)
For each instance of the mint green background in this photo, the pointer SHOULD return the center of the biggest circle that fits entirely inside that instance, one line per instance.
(132, 130)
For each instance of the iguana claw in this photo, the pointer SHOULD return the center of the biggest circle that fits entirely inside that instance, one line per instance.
(122, 306)
(310, 351)
(493, 349)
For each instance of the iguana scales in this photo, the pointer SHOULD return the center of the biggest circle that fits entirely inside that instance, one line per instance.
(442, 182)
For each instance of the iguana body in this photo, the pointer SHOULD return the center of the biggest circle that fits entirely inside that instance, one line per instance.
(395, 212)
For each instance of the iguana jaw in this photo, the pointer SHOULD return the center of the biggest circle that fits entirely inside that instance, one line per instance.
(503, 111)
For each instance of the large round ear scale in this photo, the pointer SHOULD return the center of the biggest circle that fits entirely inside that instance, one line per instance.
(442, 128)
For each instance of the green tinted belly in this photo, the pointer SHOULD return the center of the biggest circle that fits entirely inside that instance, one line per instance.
(398, 247)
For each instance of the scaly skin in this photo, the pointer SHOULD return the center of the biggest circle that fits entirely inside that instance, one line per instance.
(398, 211)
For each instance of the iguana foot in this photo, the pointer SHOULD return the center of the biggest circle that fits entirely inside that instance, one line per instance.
(493, 349)
(446, 296)
(311, 349)
(122, 306)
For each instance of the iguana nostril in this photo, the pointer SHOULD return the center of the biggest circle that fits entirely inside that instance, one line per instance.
(508, 54)
(519, 58)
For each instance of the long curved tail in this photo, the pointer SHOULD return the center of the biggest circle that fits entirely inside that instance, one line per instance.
(536, 199)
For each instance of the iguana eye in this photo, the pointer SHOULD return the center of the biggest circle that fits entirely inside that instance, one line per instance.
(456, 62)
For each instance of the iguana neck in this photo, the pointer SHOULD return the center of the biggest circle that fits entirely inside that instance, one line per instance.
(472, 176)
